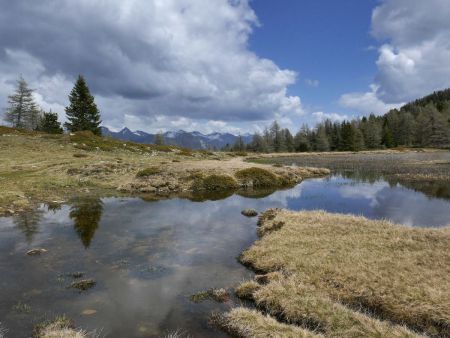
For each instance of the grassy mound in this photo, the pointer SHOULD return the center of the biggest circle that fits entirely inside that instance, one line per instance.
(148, 172)
(215, 183)
(334, 264)
(241, 322)
(258, 178)
(61, 327)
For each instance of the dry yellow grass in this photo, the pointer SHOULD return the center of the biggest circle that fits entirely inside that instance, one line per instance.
(340, 272)
(241, 322)
(61, 327)
(36, 167)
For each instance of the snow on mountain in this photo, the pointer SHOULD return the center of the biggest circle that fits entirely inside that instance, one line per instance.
(193, 140)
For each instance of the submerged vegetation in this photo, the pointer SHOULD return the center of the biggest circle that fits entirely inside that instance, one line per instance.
(84, 284)
(359, 276)
(218, 295)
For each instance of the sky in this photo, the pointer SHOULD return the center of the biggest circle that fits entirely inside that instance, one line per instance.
(226, 65)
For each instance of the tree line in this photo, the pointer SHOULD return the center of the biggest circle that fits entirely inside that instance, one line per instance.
(82, 112)
(422, 123)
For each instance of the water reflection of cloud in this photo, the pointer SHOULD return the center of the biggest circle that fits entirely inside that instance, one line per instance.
(363, 190)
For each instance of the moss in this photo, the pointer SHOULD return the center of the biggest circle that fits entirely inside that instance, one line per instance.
(215, 183)
(148, 172)
(258, 178)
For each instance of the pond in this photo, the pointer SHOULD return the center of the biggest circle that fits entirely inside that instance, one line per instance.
(147, 258)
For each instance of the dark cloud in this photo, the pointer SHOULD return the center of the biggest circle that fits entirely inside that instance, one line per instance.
(168, 57)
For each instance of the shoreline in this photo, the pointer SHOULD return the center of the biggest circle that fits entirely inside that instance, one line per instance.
(317, 271)
(41, 168)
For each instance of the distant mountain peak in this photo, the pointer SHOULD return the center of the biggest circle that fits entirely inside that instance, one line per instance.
(194, 139)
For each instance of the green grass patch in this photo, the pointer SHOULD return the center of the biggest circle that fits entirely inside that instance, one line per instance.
(258, 177)
(148, 172)
(215, 183)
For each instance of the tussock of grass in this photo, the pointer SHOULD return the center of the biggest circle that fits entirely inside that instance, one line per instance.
(60, 327)
(215, 183)
(246, 289)
(241, 322)
(148, 172)
(335, 264)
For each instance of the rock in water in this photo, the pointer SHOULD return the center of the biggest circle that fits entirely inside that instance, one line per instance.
(249, 212)
(35, 252)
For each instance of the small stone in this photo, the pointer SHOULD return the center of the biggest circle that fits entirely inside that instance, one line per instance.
(36, 252)
(249, 212)
(89, 312)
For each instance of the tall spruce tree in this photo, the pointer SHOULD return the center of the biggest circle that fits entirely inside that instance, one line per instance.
(22, 111)
(82, 113)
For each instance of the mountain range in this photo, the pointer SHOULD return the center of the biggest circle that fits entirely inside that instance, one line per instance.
(192, 140)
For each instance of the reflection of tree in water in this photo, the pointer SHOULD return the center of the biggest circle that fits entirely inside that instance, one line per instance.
(431, 187)
(28, 222)
(86, 214)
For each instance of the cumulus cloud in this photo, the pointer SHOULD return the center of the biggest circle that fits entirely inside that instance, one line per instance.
(367, 103)
(414, 56)
(145, 58)
(335, 117)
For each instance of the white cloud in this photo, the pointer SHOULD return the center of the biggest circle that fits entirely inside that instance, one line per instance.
(367, 103)
(414, 56)
(145, 58)
(321, 116)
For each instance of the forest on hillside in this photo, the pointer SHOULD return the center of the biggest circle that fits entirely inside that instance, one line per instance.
(422, 123)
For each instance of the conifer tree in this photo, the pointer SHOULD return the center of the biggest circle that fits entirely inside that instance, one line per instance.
(22, 111)
(82, 113)
(49, 123)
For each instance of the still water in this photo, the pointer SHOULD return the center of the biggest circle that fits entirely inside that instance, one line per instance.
(149, 257)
